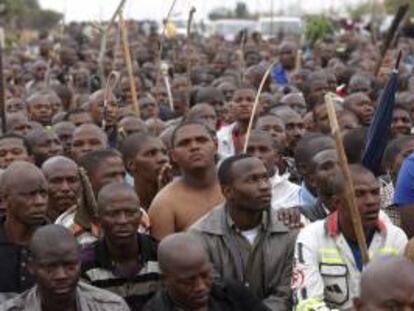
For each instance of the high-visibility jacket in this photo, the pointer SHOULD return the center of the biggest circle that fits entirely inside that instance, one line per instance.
(325, 275)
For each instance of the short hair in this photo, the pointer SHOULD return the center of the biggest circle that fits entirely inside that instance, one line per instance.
(22, 138)
(185, 123)
(354, 144)
(73, 112)
(133, 144)
(393, 149)
(302, 153)
(92, 160)
(224, 171)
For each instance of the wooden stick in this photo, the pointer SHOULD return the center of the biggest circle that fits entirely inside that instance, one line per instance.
(256, 104)
(349, 186)
(160, 51)
(2, 93)
(298, 59)
(128, 63)
(102, 50)
(189, 46)
(111, 82)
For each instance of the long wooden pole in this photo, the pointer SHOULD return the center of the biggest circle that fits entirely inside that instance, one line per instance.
(349, 186)
(128, 63)
(2, 93)
(255, 106)
(104, 40)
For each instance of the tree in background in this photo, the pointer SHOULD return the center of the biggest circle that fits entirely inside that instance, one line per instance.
(391, 6)
(241, 11)
(26, 14)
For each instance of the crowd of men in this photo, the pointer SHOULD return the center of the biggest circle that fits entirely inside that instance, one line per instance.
(173, 206)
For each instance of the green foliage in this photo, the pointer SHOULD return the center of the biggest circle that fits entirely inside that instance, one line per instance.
(20, 14)
(359, 10)
(391, 6)
(317, 28)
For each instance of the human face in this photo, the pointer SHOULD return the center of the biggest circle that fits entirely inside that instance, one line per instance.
(149, 160)
(243, 103)
(287, 56)
(111, 169)
(367, 196)
(87, 141)
(363, 107)
(261, 148)
(190, 287)
(47, 146)
(27, 199)
(321, 117)
(193, 148)
(41, 111)
(65, 134)
(250, 188)
(12, 149)
(119, 217)
(98, 110)
(56, 270)
(15, 105)
(208, 116)
(275, 127)
(149, 109)
(39, 72)
(401, 123)
(19, 125)
(295, 129)
(404, 153)
(228, 91)
(80, 118)
(64, 187)
(318, 90)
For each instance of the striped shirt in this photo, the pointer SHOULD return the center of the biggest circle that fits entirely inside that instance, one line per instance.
(136, 288)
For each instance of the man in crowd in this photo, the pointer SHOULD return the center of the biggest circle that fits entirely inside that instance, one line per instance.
(188, 281)
(87, 138)
(44, 144)
(328, 261)
(123, 261)
(173, 209)
(242, 236)
(13, 148)
(62, 175)
(145, 158)
(25, 193)
(55, 266)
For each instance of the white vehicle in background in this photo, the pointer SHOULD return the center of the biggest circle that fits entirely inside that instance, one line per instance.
(230, 28)
(280, 25)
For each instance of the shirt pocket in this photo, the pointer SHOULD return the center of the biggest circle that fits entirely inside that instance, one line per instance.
(335, 281)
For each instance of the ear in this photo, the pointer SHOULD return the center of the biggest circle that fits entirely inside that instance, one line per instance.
(173, 156)
(227, 191)
(130, 166)
(31, 266)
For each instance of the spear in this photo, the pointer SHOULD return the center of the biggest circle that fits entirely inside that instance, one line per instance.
(349, 186)
(256, 104)
(2, 93)
(128, 62)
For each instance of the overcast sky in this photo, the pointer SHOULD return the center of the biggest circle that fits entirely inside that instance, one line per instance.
(157, 9)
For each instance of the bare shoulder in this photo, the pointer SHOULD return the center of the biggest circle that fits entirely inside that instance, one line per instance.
(167, 196)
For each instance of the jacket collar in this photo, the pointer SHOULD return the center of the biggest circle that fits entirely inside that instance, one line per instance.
(332, 227)
(215, 222)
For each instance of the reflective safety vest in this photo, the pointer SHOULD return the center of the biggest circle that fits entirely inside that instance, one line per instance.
(325, 275)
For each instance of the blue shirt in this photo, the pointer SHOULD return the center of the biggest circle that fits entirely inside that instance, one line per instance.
(305, 197)
(279, 75)
(404, 190)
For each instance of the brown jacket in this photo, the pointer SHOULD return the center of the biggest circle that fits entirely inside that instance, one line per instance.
(274, 251)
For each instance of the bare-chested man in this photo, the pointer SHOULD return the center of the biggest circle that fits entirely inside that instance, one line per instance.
(197, 191)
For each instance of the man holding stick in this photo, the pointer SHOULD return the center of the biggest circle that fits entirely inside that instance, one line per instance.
(328, 260)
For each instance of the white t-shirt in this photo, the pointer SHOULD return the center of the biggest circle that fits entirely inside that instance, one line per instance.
(251, 234)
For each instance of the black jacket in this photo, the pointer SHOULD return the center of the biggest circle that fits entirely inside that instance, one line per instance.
(223, 297)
